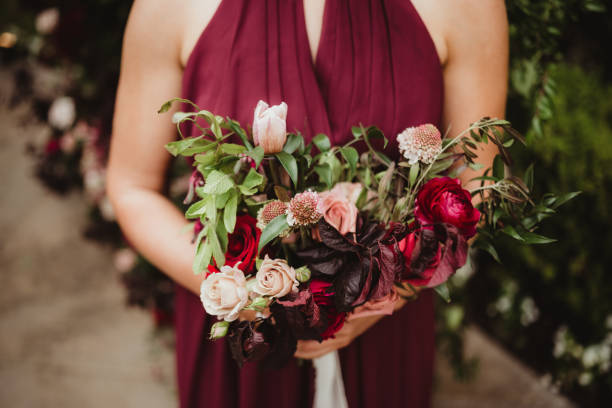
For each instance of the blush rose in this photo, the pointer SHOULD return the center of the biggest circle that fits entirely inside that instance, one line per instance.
(224, 294)
(275, 278)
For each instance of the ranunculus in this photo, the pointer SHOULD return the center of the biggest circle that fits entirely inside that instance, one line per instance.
(242, 243)
(382, 306)
(407, 246)
(323, 297)
(338, 211)
(225, 293)
(270, 126)
(275, 278)
(443, 200)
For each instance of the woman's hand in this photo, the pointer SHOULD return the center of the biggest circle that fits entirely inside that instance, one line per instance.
(353, 328)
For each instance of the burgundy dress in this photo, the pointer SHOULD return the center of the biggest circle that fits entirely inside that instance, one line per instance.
(376, 64)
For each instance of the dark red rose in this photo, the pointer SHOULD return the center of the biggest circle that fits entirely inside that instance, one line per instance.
(242, 243)
(431, 260)
(443, 200)
(52, 146)
(324, 298)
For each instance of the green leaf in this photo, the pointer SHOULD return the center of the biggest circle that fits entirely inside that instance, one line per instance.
(533, 238)
(273, 230)
(509, 230)
(257, 154)
(232, 148)
(217, 183)
(322, 142)
(196, 209)
(443, 291)
(203, 253)
(487, 246)
(475, 166)
(221, 199)
(356, 131)
(229, 213)
(235, 127)
(498, 167)
(293, 143)
(222, 235)
(253, 179)
(351, 156)
(215, 245)
(179, 117)
(166, 106)
(211, 208)
(440, 166)
(205, 159)
(290, 165)
(565, 198)
(177, 147)
(414, 173)
(324, 172)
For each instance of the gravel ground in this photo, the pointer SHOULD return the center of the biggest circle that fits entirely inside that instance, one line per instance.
(69, 341)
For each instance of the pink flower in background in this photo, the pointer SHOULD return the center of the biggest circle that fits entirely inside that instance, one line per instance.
(270, 126)
(422, 143)
(338, 211)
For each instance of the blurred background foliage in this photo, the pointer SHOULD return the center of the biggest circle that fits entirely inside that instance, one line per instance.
(551, 305)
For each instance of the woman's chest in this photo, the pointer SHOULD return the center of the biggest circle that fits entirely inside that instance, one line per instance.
(375, 64)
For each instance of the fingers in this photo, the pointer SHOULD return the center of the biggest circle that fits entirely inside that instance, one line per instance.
(309, 349)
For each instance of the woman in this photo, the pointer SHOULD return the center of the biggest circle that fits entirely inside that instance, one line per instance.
(393, 63)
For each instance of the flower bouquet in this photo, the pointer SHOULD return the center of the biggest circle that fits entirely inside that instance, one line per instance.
(295, 238)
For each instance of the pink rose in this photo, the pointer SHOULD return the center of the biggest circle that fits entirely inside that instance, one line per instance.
(338, 211)
(349, 190)
(382, 306)
(275, 278)
(224, 294)
(270, 126)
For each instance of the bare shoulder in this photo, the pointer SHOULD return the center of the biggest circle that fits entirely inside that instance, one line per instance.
(457, 26)
(476, 27)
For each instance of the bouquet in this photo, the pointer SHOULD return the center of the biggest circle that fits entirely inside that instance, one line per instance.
(295, 238)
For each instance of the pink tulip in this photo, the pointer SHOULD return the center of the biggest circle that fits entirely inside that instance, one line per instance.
(270, 126)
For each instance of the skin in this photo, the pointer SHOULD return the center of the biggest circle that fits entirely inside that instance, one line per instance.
(470, 36)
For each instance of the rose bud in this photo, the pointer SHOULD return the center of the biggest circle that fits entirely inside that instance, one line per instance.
(275, 278)
(270, 127)
(218, 330)
(443, 200)
(224, 294)
(303, 274)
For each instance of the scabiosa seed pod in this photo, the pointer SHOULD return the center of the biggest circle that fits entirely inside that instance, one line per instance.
(270, 211)
(422, 143)
(304, 209)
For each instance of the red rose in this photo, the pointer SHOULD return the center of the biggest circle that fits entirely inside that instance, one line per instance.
(242, 243)
(407, 246)
(443, 200)
(324, 299)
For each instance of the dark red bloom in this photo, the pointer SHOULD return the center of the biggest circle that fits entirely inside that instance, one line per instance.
(432, 256)
(324, 298)
(52, 146)
(242, 243)
(443, 200)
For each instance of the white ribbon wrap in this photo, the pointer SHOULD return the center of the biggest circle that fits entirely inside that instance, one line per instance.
(329, 386)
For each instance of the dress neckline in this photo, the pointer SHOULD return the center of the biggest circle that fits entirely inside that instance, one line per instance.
(322, 34)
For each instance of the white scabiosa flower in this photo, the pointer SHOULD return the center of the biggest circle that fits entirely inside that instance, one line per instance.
(422, 143)
(304, 209)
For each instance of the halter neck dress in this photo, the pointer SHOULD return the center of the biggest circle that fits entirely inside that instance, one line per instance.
(376, 64)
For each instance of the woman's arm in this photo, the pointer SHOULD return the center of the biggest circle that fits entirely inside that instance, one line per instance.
(475, 58)
(150, 74)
